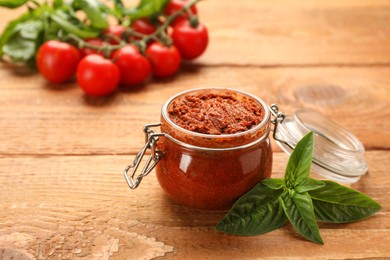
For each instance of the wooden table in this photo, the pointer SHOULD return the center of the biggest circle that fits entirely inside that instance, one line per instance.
(63, 195)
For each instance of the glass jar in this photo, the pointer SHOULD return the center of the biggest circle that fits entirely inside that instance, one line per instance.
(211, 172)
(208, 171)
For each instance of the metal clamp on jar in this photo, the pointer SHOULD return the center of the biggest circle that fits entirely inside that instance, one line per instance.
(212, 171)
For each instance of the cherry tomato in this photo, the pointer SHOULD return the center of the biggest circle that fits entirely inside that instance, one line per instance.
(174, 6)
(97, 76)
(134, 68)
(57, 61)
(165, 60)
(87, 51)
(190, 41)
(116, 31)
(143, 26)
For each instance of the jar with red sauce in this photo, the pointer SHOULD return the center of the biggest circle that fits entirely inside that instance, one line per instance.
(209, 152)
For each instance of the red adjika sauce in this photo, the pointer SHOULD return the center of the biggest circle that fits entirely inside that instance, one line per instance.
(217, 147)
(215, 113)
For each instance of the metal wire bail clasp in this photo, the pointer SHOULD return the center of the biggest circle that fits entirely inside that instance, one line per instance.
(278, 118)
(151, 138)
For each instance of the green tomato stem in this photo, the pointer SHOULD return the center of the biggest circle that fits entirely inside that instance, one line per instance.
(106, 49)
(161, 30)
(112, 37)
(193, 18)
(159, 35)
(35, 2)
(71, 28)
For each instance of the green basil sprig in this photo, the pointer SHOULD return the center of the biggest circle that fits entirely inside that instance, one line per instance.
(297, 198)
(12, 3)
(146, 8)
(23, 36)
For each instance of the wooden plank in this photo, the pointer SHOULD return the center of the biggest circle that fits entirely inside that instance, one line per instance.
(80, 206)
(291, 32)
(38, 118)
(62, 154)
(297, 32)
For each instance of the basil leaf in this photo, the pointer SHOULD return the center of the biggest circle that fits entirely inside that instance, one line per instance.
(92, 8)
(308, 184)
(274, 184)
(118, 9)
(146, 8)
(30, 29)
(255, 213)
(84, 32)
(299, 210)
(11, 29)
(157, 4)
(12, 3)
(298, 166)
(20, 50)
(22, 45)
(58, 3)
(339, 204)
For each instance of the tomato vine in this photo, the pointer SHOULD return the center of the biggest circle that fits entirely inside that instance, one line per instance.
(162, 32)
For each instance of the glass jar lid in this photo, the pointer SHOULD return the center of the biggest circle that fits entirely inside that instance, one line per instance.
(338, 154)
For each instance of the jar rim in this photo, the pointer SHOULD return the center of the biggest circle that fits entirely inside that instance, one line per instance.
(213, 149)
(267, 114)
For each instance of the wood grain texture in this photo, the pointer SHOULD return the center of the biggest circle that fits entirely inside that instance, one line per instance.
(291, 33)
(38, 118)
(63, 195)
(296, 33)
(68, 210)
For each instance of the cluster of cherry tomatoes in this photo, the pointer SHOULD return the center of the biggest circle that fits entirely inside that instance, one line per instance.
(99, 72)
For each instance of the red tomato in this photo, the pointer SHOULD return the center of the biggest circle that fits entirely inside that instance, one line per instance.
(165, 60)
(87, 51)
(143, 26)
(134, 68)
(174, 6)
(57, 61)
(97, 76)
(114, 30)
(190, 41)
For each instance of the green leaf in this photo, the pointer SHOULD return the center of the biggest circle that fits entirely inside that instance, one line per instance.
(274, 184)
(11, 30)
(20, 50)
(58, 3)
(29, 29)
(93, 10)
(22, 45)
(83, 32)
(308, 184)
(299, 199)
(299, 210)
(255, 213)
(146, 8)
(119, 8)
(298, 166)
(12, 3)
(339, 204)
(156, 4)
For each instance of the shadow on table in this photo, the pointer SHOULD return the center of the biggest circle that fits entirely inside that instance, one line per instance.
(60, 86)
(190, 67)
(19, 70)
(190, 217)
(100, 101)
